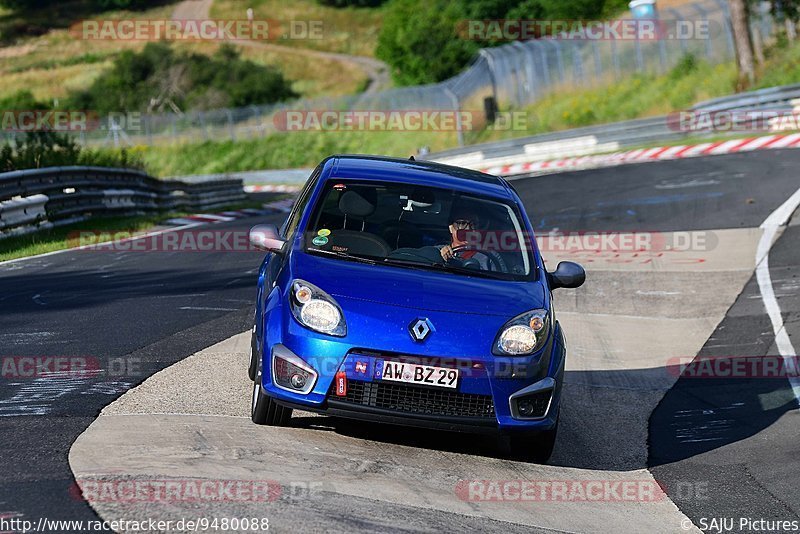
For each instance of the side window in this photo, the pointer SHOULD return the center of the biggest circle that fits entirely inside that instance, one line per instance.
(300, 206)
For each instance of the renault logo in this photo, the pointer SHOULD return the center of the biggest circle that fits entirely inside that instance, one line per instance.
(420, 328)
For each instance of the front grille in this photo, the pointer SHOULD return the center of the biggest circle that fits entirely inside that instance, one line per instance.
(417, 400)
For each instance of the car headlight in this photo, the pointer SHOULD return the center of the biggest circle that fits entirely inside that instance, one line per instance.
(524, 334)
(315, 309)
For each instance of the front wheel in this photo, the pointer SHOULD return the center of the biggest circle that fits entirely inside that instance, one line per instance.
(532, 447)
(264, 410)
(253, 367)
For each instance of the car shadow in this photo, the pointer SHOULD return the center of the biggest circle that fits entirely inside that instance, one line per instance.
(618, 420)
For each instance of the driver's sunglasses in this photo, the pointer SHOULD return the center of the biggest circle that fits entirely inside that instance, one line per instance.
(463, 224)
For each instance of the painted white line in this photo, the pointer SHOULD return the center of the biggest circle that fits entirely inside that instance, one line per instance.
(85, 247)
(776, 219)
(208, 217)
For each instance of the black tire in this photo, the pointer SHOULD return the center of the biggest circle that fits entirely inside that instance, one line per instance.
(264, 410)
(531, 447)
(253, 367)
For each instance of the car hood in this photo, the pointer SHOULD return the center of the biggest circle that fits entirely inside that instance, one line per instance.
(418, 289)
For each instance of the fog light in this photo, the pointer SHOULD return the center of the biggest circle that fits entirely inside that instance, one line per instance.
(526, 408)
(291, 373)
(532, 405)
(298, 381)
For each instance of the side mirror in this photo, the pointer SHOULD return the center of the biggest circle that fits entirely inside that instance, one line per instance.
(567, 274)
(265, 237)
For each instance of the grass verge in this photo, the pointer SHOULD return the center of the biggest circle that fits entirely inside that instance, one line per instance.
(638, 97)
(47, 60)
(105, 228)
(644, 95)
(283, 151)
(346, 30)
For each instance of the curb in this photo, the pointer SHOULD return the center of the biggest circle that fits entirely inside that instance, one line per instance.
(649, 154)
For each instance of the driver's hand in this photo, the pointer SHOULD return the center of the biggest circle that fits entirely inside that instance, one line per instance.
(447, 253)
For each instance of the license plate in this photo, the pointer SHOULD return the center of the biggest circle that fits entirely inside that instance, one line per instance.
(411, 373)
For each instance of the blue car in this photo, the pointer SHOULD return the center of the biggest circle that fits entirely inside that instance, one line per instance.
(410, 293)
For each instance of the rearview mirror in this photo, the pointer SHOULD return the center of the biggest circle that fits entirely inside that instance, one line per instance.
(265, 237)
(567, 274)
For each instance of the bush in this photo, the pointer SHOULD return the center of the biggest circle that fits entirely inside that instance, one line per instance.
(686, 65)
(158, 78)
(22, 100)
(420, 40)
(94, 5)
(423, 41)
(351, 3)
(48, 149)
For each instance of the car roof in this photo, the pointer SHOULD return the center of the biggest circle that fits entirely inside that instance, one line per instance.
(379, 168)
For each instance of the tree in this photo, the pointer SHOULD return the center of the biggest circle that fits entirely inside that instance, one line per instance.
(420, 40)
(425, 41)
(744, 45)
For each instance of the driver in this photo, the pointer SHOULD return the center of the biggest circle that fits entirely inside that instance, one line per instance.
(455, 249)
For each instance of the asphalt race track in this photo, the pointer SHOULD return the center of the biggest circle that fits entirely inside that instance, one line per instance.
(175, 324)
(148, 308)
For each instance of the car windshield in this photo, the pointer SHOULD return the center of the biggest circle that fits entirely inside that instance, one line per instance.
(420, 227)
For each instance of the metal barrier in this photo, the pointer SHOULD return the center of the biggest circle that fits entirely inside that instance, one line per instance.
(780, 97)
(614, 136)
(32, 199)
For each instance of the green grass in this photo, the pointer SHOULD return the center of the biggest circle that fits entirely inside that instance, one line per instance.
(105, 228)
(283, 151)
(347, 30)
(640, 96)
(637, 97)
(61, 237)
(39, 54)
(782, 66)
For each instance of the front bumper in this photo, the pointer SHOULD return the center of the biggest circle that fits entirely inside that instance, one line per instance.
(391, 417)
(484, 401)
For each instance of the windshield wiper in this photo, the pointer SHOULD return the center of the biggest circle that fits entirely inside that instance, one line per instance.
(344, 255)
(411, 263)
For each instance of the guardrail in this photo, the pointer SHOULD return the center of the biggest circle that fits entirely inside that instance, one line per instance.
(612, 137)
(37, 198)
(778, 96)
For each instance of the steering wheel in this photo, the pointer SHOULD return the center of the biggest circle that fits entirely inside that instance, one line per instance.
(495, 258)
